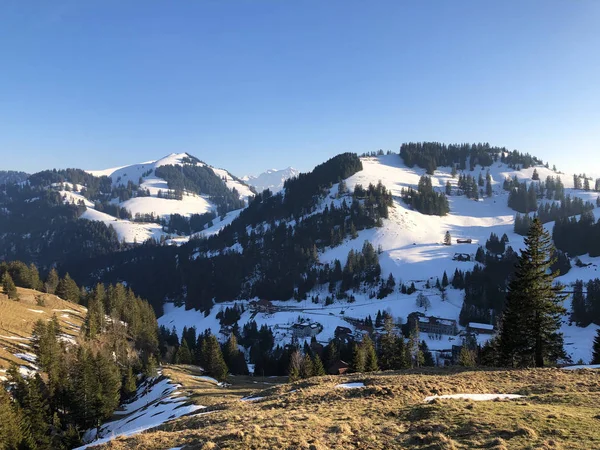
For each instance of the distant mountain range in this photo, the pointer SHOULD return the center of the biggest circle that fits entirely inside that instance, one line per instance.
(272, 179)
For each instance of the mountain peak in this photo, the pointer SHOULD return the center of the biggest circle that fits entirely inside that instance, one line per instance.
(272, 179)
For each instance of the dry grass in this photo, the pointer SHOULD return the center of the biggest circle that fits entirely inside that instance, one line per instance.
(18, 317)
(560, 412)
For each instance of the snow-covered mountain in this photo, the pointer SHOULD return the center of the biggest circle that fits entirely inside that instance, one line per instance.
(272, 179)
(412, 250)
(144, 176)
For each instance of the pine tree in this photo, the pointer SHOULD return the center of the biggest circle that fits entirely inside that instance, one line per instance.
(445, 280)
(466, 357)
(306, 368)
(68, 290)
(216, 366)
(129, 386)
(596, 349)
(371, 364)
(8, 287)
(578, 306)
(51, 281)
(427, 355)
(448, 188)
(294, 366)
(36, 412)
(183, 355)
(447, 238)
(358, 358)
(318, 368)
(532, 315)
(12, 425)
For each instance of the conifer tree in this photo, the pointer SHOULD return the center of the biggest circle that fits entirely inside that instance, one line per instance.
(183, 355)
(129, 386)
(8, 287)
(445, 280)
(68, 290)
(12, 424)
(466, 357)
(51, 281)
(294, 366)
(216, 366)
(447, 238)
(36, 412)
(596, 349)
(578, 305)
(427, 355)
(532, 315)
(371, 364)
(318, 368)
(358, 358)
(306, 368)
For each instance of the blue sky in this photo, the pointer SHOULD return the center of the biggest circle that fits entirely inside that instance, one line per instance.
(255, 84)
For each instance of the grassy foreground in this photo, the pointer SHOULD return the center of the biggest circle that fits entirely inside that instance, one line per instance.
(17, 319)
(561, 411)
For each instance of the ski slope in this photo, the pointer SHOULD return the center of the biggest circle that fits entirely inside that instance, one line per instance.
(412, 250)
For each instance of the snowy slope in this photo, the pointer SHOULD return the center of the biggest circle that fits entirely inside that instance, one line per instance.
(412, 251)
(272, 179)
(143, 174)
(158, 400)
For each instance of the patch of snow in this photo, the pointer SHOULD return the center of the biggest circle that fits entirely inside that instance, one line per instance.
(251, 399)
(357, 385)
(582, 366)
(36, 311)
(474, 397)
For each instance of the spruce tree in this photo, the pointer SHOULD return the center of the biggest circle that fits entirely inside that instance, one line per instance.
(447, 238)
(12, 425)
(318, 368)
(8, 287)
(68, 290)
(596, 348)
(183, 355)
(358, 358)
(306, 368)
(51, 281)
(532, 315)
(216, 366)
(371, 364)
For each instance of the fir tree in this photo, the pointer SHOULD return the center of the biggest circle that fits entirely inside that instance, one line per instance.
(51, 281)
(445, 280)
(318, 368)
(532, 315)
(216, 366)
(183, 355)
(371, 364)
(8, 287)
(466, 357)
(68, 290)
(12, 426)
(358, 358)
(447, 238)
(129, 386)
(294, 366)
(306, 368)
(596, 349)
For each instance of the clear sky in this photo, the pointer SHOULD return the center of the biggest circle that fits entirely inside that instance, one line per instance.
(256, 84)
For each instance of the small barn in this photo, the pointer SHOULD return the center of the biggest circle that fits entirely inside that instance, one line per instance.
(339, 367)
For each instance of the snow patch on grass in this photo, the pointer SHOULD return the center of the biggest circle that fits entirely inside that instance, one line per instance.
(474, 397)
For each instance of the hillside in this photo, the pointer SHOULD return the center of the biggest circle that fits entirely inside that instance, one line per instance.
(17, 321)
(411, 249)
(558, 409)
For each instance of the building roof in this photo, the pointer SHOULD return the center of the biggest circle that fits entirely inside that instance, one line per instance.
(482, 326)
